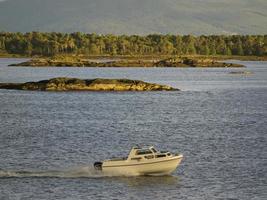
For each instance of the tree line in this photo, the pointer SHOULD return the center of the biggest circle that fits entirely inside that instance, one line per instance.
(49, 44)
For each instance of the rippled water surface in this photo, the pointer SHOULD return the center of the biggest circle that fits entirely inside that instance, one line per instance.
(49, 140)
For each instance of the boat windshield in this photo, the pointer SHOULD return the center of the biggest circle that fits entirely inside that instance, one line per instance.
(154, 150)
(143, 151)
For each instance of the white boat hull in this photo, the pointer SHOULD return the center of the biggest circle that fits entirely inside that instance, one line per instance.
(161, 166)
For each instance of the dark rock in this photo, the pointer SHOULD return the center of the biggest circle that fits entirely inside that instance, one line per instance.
(74, 84)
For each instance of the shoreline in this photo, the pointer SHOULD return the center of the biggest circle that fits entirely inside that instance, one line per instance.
(143, 57)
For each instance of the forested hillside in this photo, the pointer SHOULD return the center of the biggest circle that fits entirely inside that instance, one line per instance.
(48, 44)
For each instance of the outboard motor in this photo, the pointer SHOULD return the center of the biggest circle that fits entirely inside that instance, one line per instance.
(98, 165)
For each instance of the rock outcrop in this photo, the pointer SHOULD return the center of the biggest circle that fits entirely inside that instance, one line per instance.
(74, 84)
(171, 62)
(241, 72)
(194, 62)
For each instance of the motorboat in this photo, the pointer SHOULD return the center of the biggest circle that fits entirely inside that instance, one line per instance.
(142, 161)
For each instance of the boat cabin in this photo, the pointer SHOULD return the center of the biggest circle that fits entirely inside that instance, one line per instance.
(138, 153)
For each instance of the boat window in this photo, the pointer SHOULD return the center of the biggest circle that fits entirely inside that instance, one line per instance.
(160, 155)
(149, 157)
(154, 150)
(136, 158)
(143, 151)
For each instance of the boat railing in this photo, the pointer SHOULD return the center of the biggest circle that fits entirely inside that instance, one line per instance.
(141, 146)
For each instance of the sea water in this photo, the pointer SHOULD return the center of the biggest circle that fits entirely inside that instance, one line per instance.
(218, 121)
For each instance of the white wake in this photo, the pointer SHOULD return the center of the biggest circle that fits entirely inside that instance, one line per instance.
(77, 172)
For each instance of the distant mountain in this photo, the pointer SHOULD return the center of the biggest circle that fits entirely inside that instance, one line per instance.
(135, 16)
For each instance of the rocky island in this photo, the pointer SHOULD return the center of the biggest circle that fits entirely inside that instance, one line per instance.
(74, 84)
(241, 72)
(61, 61)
